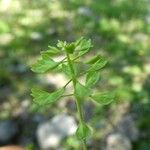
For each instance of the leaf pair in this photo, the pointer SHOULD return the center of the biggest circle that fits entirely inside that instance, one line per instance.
(46, 63)
(103, 98)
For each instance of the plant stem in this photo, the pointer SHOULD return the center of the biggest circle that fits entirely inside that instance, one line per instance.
(67, 95)
(79, 108)
(84, 145)
(67, 83)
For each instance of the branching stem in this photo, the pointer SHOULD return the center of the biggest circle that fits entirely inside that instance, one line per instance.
(79, 108)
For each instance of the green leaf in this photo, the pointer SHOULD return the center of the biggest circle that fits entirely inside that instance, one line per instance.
(94, 59)
(42, 97)
(44, 64)
(92, 78)
(83, 44)
(103, 98)
(66, 70)
(70, 48)
(98, 65)
(81, 91)
(81, 53)
(61, 44)
(83, 131)
(51, 51)
(77, 42)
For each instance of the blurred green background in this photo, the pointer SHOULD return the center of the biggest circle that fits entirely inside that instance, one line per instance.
(119, 30)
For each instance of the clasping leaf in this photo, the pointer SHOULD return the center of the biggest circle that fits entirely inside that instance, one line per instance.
(81, 91)
(83, 131)
(42, 97)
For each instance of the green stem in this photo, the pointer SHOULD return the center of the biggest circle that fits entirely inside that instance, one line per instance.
(67, 95)
(84, 145)
(79, 108)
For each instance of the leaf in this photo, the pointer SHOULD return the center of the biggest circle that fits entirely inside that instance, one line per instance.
(83, 131)
(51, 51)
(103, 98)
(61, 44)
(77, 42)
(83, 44)
(66, 70)
(81, 53)
(81, 91)
(70, 48)
(92, 78)
(42, 97)
(94, 59)
(84, 47)
(44, 64)
(98, 65)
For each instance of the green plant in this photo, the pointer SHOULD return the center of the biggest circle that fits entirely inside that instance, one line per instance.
(69, 65)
